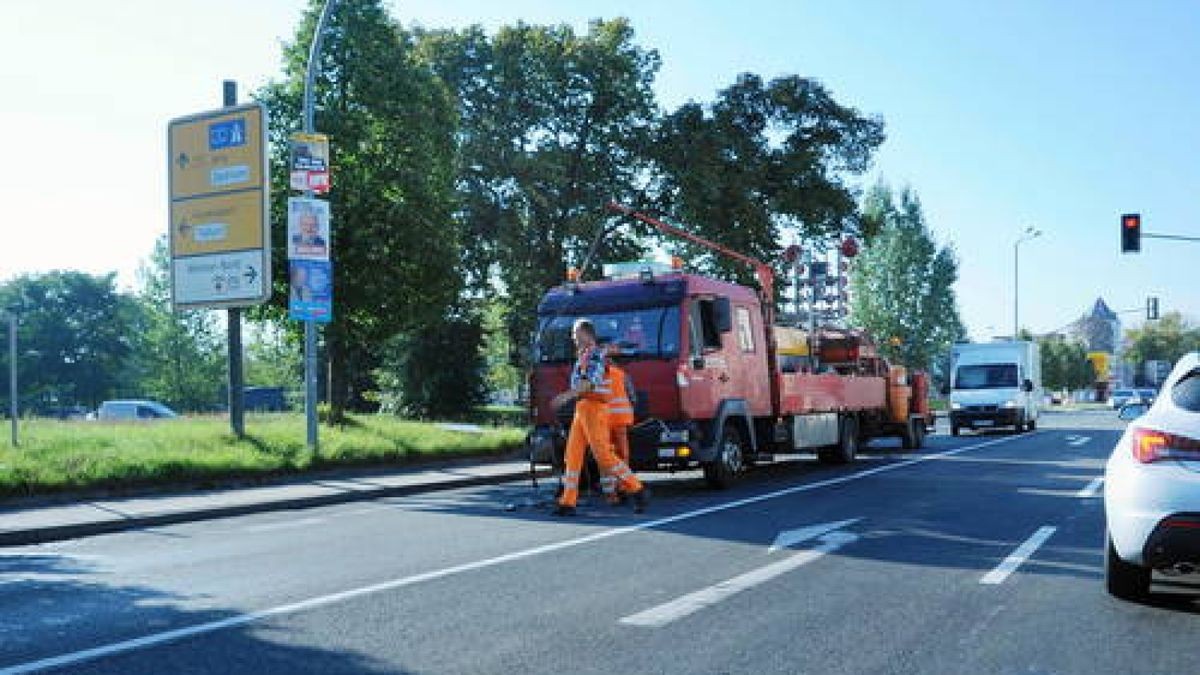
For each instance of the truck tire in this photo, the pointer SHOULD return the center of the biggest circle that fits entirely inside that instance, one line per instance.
(1032, 426)
(730, 462)
(954, 430)
(1124, 580)
(913, 437)
(847, 448)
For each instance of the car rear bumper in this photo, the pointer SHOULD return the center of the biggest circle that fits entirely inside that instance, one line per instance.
(1175, 540)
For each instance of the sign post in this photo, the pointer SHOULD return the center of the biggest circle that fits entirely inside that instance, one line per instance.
(219, 230)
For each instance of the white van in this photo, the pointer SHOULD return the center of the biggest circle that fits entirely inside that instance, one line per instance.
(995, 384)
(134, 410)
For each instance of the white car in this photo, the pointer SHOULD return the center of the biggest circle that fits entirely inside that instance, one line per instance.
(1152, 488)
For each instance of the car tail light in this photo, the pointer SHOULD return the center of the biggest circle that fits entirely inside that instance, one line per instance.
(1150, 445)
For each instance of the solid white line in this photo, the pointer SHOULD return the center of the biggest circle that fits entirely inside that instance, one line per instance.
(312, 603)
(657, 617)
(1091, 489)
(267, 527)
(1012, 562)
(1079, 441)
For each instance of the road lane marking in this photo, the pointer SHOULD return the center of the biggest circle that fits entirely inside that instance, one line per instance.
(177, 634)
(1012, 562)
(1078, 441)
(267, 527)
(657, 617)
(1091, 489)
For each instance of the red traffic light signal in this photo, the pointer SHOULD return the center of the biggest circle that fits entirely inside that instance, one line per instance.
(1131, 233)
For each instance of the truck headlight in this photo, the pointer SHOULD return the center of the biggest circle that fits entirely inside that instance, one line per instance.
(1011, 404)
(955, 405)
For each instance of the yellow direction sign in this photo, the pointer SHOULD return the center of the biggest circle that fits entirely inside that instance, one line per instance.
(218, 186)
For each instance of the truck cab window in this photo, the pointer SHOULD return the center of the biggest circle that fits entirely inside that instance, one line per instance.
(703, 319)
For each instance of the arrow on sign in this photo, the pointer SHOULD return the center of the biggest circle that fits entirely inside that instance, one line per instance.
(183, 160)
(251, 274)
(829, 534)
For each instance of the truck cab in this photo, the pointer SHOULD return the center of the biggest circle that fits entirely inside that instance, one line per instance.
(693, 347)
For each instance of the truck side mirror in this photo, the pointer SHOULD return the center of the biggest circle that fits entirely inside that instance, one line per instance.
(722, 315)
(1027, 386)
(697, 363)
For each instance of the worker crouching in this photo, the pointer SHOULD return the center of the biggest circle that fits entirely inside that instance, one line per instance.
(592, 389)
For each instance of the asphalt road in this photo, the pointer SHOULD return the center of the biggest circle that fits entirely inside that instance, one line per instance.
(978, 554)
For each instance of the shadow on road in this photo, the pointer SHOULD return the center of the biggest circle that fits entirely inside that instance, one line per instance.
(58, 605)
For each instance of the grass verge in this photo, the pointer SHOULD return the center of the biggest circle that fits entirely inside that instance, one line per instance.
(58, 456)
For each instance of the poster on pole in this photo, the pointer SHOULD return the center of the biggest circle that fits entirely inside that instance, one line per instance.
(311, 291)
(308, 229)
(309, 165)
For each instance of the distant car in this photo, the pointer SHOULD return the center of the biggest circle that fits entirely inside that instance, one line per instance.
(1120, 397)
(1147, 395)
(134, 410)
(1152, 487)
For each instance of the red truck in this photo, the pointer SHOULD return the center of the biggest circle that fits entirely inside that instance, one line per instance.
(714, 390)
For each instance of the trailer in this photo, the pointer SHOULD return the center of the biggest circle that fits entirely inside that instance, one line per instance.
(719, 385)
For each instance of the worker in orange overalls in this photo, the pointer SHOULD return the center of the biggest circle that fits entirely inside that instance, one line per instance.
(591, 387)
(620, 418)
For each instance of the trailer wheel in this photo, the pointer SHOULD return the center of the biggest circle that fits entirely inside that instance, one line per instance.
(730, 463)
(847, 448)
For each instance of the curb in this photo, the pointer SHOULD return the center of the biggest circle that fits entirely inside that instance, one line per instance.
(41, 535)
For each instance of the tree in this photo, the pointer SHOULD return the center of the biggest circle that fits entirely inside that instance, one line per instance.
(274, 358)
(75, 336)
(395, 244)
(178, 357)
(762, 160)
(1165, 340)
(553, 125)
(1065, 364)
(902, 284)
(435, 371)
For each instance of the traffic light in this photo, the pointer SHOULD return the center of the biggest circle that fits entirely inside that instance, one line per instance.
(1131, 233)
(1152, 309)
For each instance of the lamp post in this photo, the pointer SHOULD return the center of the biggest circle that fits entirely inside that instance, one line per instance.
(1030, 233)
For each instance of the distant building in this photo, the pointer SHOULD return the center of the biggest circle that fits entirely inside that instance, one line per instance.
(1099, 330)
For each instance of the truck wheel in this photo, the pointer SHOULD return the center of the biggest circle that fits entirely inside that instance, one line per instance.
(954, 430)
(914, 435)
(730, 462)
(847, 448)
(1032, 426)
(1124, 580)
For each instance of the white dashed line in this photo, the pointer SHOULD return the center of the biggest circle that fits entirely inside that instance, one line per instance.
(1012, 562)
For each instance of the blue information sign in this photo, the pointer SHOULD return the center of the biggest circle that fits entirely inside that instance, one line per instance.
(227, 134)
(311, 296)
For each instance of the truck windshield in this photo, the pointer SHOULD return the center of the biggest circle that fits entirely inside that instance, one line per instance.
(987, 376)
(639, 333)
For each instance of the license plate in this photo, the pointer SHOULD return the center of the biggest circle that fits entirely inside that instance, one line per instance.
(983, 423)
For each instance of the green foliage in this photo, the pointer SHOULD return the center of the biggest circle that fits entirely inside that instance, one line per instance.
(57, 456)
(435, 371)
(178, 357)
(553, 125)
(1164, 340)
(74, 337)
(274, 358)
(761, 160)
(902, 284)
(1065, 364)
(394, 240)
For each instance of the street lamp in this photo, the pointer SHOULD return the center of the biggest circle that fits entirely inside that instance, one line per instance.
(1030, 233)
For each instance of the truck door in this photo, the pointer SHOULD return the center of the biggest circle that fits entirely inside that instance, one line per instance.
(707, 364)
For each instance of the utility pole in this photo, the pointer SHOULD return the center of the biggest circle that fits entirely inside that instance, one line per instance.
(13, 407)
(1029, 233)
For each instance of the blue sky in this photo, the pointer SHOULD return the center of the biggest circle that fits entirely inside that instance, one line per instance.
(1059, 115)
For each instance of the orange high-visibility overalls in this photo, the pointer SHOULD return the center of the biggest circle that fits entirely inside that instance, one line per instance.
(620, 418)
(590, 428)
